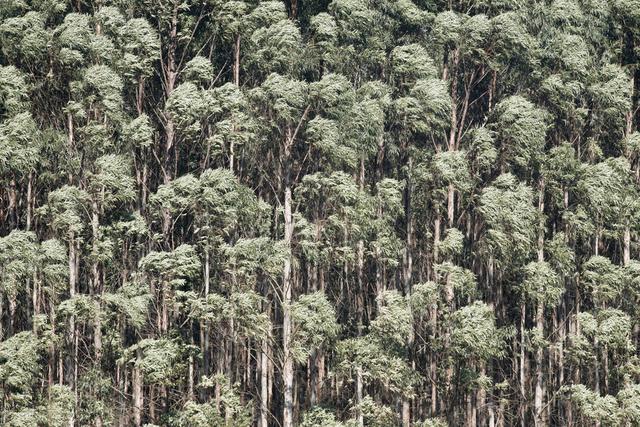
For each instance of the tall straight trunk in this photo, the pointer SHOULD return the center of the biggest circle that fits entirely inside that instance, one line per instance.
(70, 142)
(71, 334)
(169, 68)
(236, 81)
(481, 398)
(191, 373)
(454, 99)
(287, 371)
(433, 368)
(360, 294)
(450, 205)
(204, 326)
(97, 290)
(407, 276)
(29, 197)
(359, 397)
(538, 397)
(170, 76)
(137, 394)
(264, 384)
(523, 390)
(626, 256)
(287, 274)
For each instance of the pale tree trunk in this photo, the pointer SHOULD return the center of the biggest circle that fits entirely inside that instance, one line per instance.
(433, 369)
(170, 76)
(539, 398)
(97, 325)
(627, 246)
(287, 276)
(481, 397)
(205, 331)
(264, 384)
(70, 143)
(287, 371)
(138, 397)
(71, 362)
(190, 380)
(236, 81)
(359, 396)
(29, 197)
(523, 390)
(407, 276)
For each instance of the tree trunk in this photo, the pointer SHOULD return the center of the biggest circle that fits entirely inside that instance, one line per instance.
(627, 246)
(138, 397)
(523, 391)
(538, 398)
(287, 371)
(71, 334)
(359, 386)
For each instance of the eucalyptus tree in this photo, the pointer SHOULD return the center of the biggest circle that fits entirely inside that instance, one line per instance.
(319, 213)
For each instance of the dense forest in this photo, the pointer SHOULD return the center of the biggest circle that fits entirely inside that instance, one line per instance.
(319, 213)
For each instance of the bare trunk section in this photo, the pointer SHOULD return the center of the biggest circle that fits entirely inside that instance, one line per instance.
(359, 397)
(539, 393)
(287, 372)
(97, 291)
(138, 397)
(70, 368)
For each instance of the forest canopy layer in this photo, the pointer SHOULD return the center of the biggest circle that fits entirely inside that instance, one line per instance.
(319, 213)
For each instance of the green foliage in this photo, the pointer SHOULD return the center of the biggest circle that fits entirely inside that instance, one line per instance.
(162, 361)
(14, 93)
(138, 132)
(18, 144)
(236, 410)
(180, 264)
(376, 365)
(19, 372)
(66, 208)
(452, 244)
(319, 417)
(602, 278)
(130, 300)
(475, 334)
(459, 172)
(423, 297)
(507, 208)
(315, 324)
(542, 284)
(593, 406)
(521, 128)
(197, 415)
(375, 414)
(426, 109)
(393, 324)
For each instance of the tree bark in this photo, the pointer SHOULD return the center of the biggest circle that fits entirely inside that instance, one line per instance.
(287, 372)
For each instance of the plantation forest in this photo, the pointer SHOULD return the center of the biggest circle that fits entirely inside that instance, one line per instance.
(319, 213)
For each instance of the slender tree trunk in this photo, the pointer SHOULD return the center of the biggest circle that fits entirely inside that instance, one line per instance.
(523, 390)
(359, 397)
(138, 397)
(538, 398)
(71, 335)
(29, 197)
(287, 371)
(236, 81)
(264, 384)
(97, 290)
(627, 246)
(170, 76)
